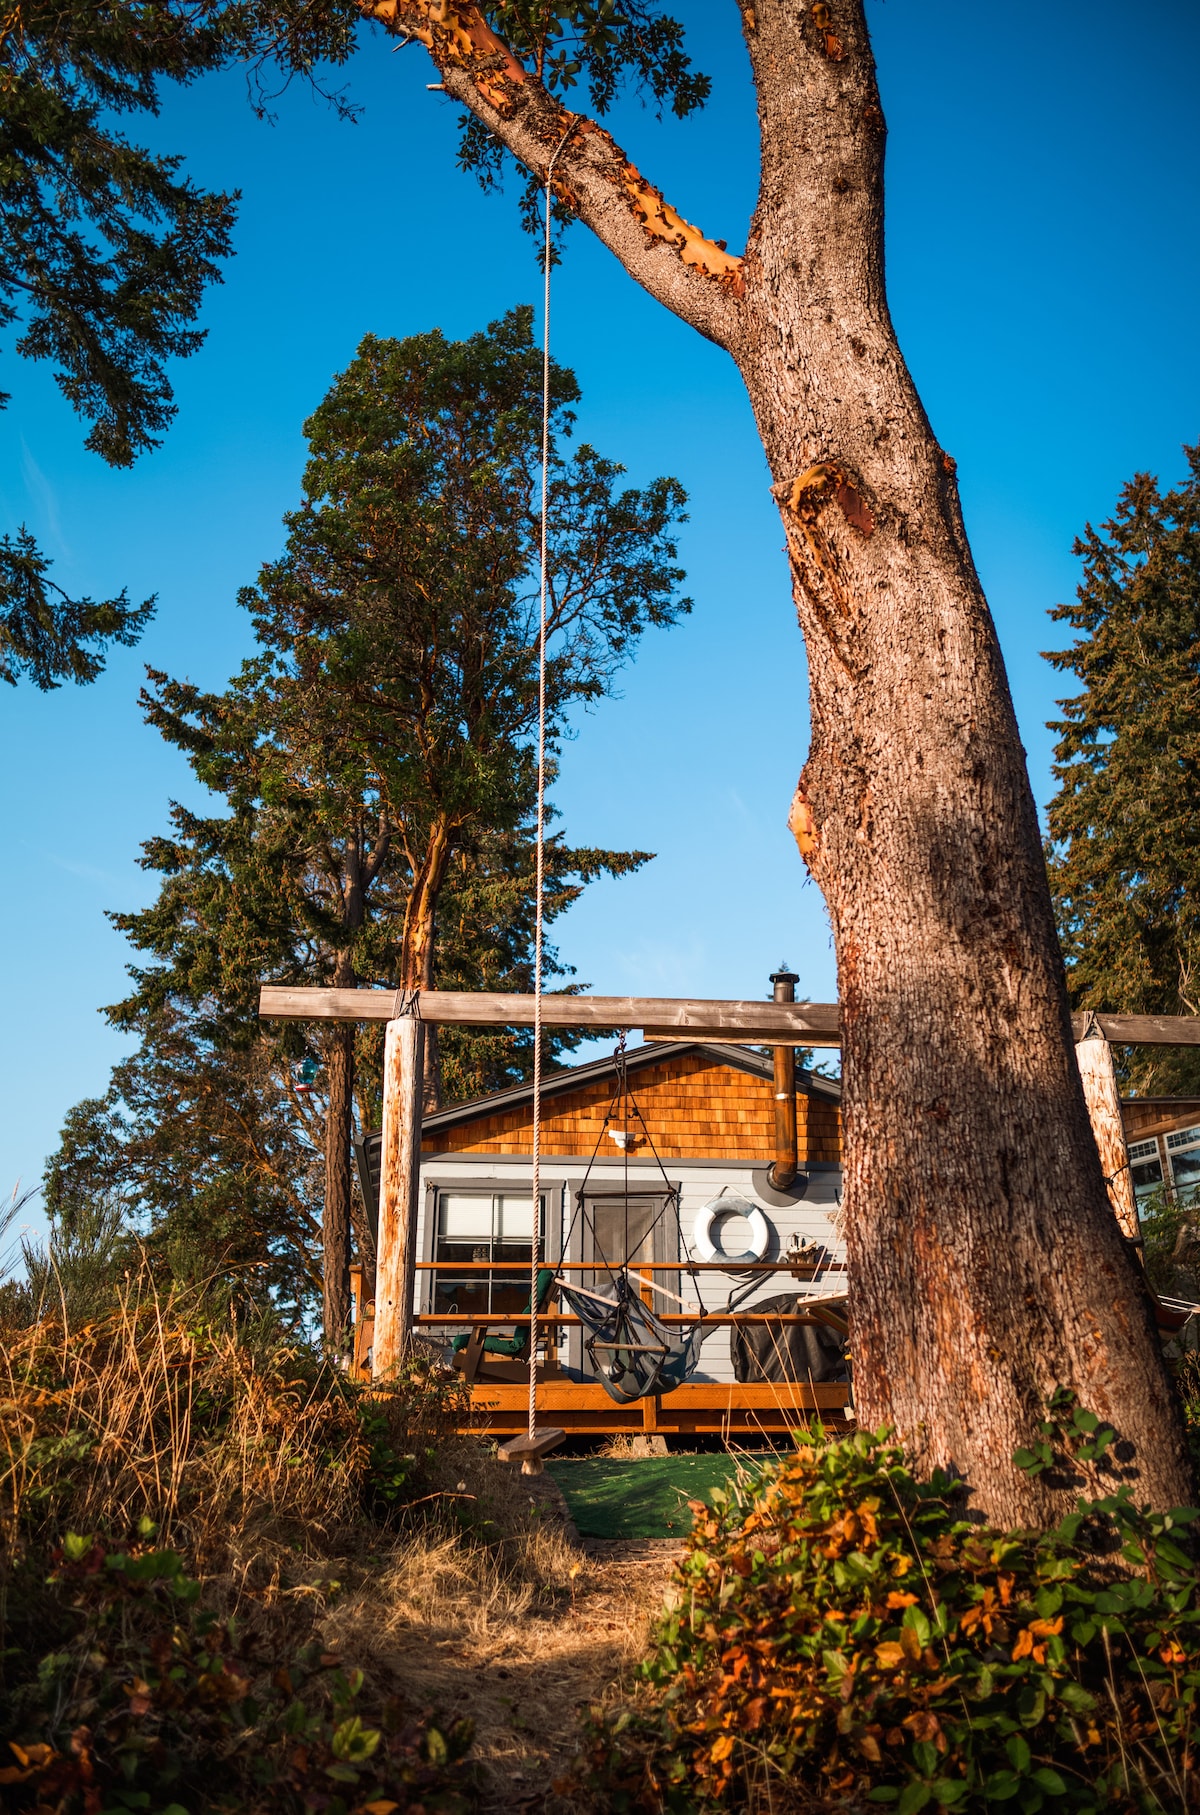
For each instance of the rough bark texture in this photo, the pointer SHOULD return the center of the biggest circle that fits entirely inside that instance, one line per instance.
(419, 944)
(335, 1222)
(987, 1267)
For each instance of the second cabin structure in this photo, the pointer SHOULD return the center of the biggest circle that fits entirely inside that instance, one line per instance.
(662, 1155)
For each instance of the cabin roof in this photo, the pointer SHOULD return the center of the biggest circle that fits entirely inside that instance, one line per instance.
(557, 1083)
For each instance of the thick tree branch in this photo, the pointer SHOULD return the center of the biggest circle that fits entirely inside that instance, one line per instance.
(694, 277)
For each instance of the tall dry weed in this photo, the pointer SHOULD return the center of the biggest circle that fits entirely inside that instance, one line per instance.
(164, 1410)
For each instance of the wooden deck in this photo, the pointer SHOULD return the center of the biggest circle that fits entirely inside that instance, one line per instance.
(699, 1408)
(582, 1408)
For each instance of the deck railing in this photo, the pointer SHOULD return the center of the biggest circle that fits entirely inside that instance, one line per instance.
(553, 1321)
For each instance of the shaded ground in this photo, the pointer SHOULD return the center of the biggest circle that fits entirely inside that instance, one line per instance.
(647, 1498)
(524, 1634)
(521, 1672)
(520, 1638)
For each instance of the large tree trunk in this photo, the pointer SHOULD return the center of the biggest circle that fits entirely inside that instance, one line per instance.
(987, 1266)
(339, 1126)
(987, 1269)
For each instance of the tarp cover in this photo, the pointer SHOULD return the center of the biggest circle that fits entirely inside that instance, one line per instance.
(786, 1351)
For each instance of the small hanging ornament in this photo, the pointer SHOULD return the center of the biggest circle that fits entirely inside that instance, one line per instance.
(304, 1075)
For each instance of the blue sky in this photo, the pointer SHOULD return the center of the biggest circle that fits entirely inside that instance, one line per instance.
(1042, 258)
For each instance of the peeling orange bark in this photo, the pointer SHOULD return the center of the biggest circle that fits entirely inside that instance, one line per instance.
(458, 37)
(458, 33)
(661, 221)
(801, 823)
(831, 44)
(809, 491)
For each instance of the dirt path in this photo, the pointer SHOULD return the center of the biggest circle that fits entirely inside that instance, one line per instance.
(453, 1632)
(529, 1736)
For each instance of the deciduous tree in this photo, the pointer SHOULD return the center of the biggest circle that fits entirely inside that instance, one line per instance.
(987, 1267)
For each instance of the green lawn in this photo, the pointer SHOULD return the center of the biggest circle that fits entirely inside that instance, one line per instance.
(647, 1498)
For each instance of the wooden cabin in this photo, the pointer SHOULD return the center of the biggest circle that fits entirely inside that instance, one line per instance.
(1163, 1134)
(692, 1119)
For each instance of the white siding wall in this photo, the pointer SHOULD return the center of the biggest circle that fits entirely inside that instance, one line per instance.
(810, 1218)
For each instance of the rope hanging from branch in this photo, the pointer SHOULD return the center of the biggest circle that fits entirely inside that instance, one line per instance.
(540, 836)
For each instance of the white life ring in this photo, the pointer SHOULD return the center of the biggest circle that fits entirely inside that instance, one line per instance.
(706, 1218)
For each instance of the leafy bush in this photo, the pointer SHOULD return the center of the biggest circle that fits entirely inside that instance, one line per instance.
(155, 1704)
(1170, 1223)
(123, 1682)
(841, 1637)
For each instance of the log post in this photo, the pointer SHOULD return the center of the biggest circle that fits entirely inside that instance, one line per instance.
(1103, 1100)
(399, 1190)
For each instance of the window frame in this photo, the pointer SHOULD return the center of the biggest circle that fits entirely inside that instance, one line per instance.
(460, 1185)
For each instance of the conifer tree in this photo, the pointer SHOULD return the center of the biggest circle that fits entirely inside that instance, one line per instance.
(106, 250)
(408, 588)
(206, 1134)
(377, 755)
(1124, 845)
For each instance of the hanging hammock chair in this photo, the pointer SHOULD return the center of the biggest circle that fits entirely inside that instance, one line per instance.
(632, 1352)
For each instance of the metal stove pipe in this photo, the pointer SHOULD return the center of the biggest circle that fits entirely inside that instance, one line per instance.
(782, 1172)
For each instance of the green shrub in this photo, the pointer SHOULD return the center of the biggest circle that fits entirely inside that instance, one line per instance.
(841, 1637)
(155, 1704)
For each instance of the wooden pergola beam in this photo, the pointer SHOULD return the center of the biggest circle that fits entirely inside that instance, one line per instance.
(663, 1017)
(660, 1017)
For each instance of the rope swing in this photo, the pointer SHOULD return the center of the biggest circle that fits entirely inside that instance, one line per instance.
(540, 839)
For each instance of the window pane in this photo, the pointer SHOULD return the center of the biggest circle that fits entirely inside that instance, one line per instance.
(1186, 1167)
(514, 1217)
(1146, 1178)
(510, 1281)
(1183, 1137)
(459, 1292)
(465, 1217)
(1143, 1150)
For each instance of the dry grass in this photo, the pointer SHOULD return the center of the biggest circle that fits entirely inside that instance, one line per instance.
(251, 1459)
(153, 1412)
(519, 1637)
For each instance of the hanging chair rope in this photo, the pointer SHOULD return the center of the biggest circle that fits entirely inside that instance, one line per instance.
(632, 1351)
(540, 846)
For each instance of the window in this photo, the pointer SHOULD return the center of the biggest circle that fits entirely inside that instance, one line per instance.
(495, 1227)
(1180, 1170)
(1145, 1168)
(1183, 1148)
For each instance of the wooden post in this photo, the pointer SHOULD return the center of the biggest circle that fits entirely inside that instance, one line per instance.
(1104, 1108)
(399, 1188)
